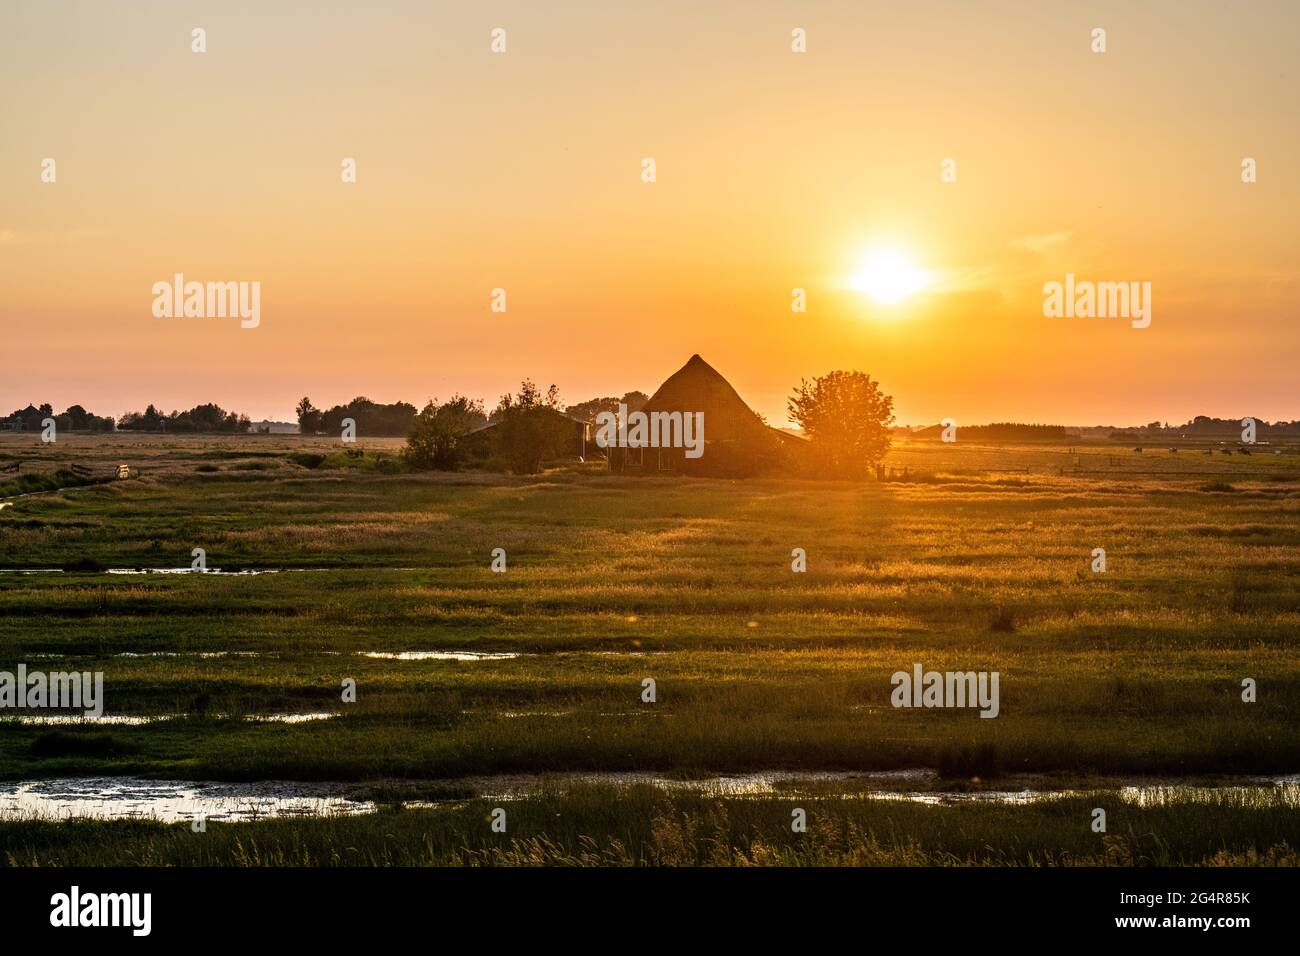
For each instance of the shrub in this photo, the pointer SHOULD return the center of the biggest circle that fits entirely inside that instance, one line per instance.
(1217, 486)
(307, 459)
(1003, 620)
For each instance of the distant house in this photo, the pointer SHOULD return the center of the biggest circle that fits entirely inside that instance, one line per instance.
(268, 427)
(737, 442)
(575, 439)
(27, 419)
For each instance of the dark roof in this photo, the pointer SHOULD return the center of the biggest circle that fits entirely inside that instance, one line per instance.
(483, 428)
(698, 387)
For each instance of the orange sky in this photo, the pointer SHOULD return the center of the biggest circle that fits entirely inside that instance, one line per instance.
(775, 170)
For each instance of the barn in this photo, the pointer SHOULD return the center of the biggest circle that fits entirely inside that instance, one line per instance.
(737, 442)
(570, 438)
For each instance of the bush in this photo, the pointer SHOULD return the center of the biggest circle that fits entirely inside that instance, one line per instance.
(1003, 620)
(307, 459)
(435, 437)
(1217, 486)
(530, 428)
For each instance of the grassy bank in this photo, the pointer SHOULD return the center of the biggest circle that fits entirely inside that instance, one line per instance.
(598, 826)
(983, 564)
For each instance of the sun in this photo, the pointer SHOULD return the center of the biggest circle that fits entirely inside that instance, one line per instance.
(888, 276)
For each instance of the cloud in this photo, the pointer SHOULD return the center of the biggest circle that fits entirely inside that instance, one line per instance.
(7, 236)
(1040, 243)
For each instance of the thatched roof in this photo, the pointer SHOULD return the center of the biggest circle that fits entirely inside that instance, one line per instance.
(698, 387)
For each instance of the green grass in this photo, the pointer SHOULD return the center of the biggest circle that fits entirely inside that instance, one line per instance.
(32, 482)
(599, 826)
(612, 580)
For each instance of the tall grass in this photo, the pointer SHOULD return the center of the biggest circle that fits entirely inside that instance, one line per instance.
(599, 826)
(1135, 670)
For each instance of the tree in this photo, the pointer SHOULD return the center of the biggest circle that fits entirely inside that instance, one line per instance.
(308, 417)
(847, 420)
(78, 418)
(201, 418)
(434, 440)
(531, 427)
(588, 410)
(372, 418)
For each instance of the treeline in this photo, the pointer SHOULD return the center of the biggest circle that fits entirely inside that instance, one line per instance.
(1014, 430)
(200, 418)
(1000, 431)
(371, 418)
(1203, 426)
(75, 418)
(396, 420)
(588, 410)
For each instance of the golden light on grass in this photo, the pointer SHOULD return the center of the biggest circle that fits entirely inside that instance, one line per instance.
(889, 276)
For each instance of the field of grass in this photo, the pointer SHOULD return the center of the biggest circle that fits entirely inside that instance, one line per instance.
(595, 826)
(979, 560)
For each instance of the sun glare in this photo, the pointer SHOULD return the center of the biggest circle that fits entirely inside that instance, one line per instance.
(888, 277)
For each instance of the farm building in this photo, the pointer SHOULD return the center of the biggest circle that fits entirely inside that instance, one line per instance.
(567, 438)
(736, 441)
(268, 427)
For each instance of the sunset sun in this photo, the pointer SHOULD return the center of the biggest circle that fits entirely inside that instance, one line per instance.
(888, 276)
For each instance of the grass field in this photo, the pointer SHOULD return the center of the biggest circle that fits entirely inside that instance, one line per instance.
(594, 826)
(980, 560)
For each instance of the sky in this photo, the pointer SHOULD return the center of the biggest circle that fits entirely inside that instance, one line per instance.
(774, 171)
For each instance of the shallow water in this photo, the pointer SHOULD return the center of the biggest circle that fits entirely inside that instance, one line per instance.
(380, 655)
(442, 655)
(132, 720)
(77, 720)
(215, 572)
(171, 801)
(512, 714)
(202, 654)
(174, 800)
